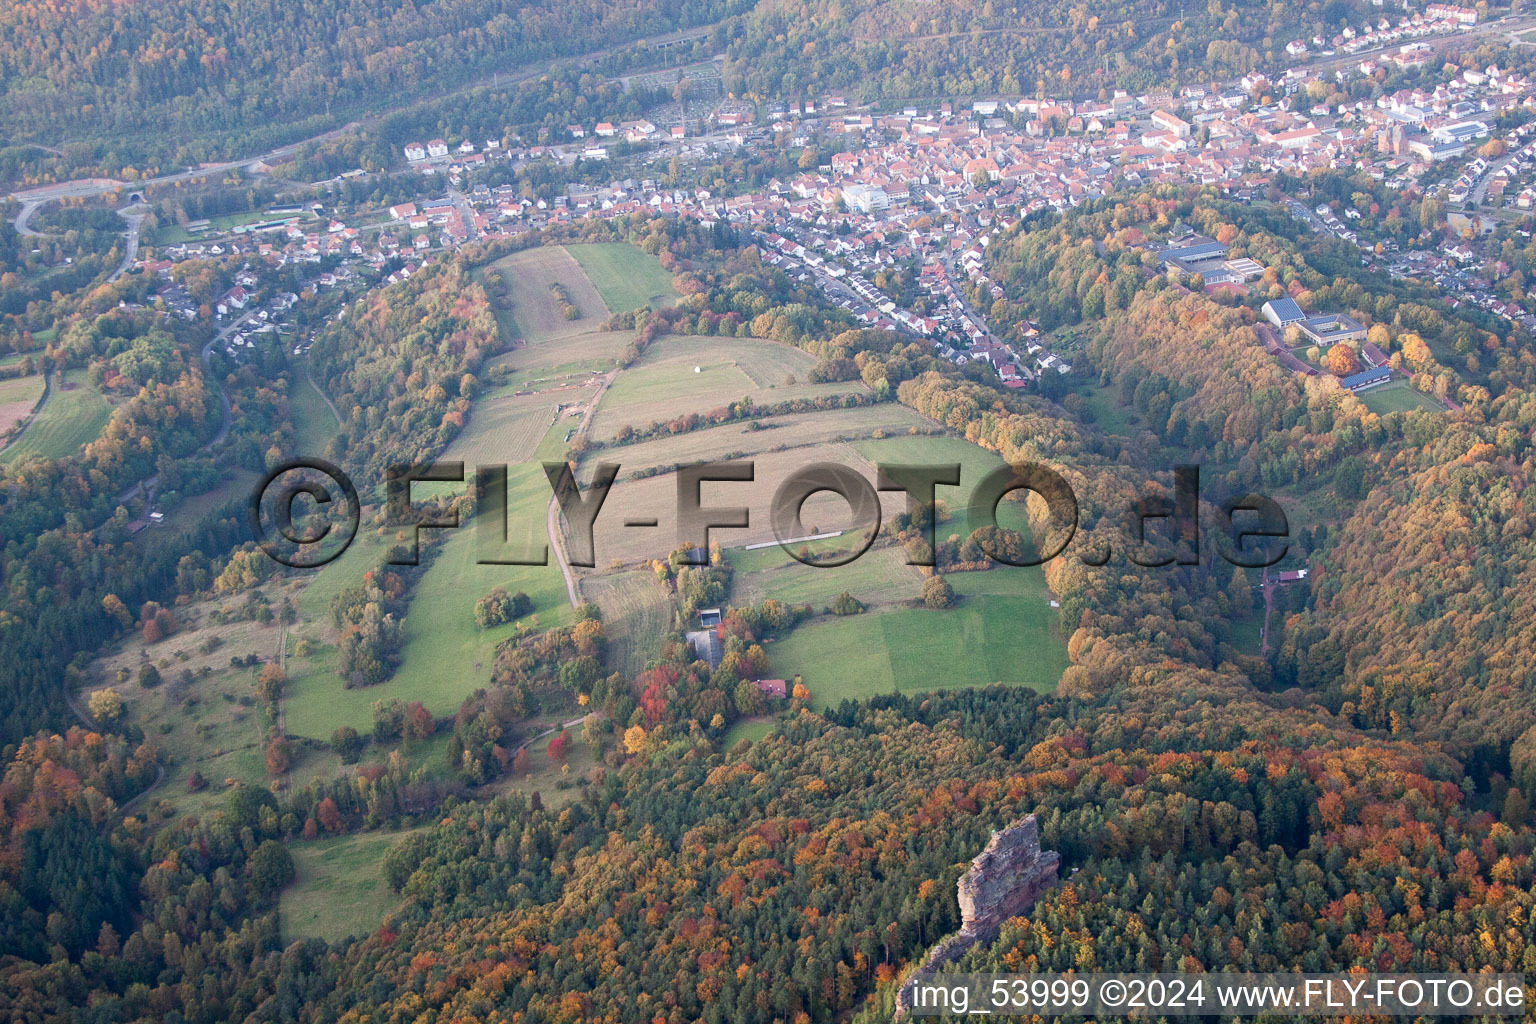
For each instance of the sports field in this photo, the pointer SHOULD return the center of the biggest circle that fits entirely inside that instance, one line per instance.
(1397, 396)
(73, 415)
(625, 275)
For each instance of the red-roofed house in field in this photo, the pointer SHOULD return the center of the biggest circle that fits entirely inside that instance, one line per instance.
(772, 687)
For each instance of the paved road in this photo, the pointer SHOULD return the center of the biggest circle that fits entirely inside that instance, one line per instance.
(89, 187)
(1480, 190)
(208, 373)
(466, 213)
(134, 215)
(24, 215)
(1510, 27)
(101, 186)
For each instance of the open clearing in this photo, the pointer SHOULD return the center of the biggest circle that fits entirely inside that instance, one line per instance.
(1000, 633)
(662, 384)
(1247, 634)
(338, 888)
(753, 728)
(203, 716)
(879, 575)
(313, 425)
(637, 613)
(74, 415)
(188, 515)
(444, 656)
(1004, 629)
(804, 430)
(625, 275)
(556, 783)
(975, 463)
(1397, 397)
(525, 282)
(17, 397)
(656, 497)
(591, 351)
(1102, 408)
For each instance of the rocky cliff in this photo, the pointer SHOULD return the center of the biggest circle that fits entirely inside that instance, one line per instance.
(1003, 881)
(1006, 878)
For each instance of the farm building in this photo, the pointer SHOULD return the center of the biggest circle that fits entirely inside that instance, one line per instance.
(707, 646)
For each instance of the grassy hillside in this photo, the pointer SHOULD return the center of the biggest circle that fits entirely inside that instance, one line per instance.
(625, 276)
(73, 415)
(1003, 631)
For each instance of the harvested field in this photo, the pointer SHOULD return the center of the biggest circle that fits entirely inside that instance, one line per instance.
(637, 612)
(807, 431)
(663, 385)
(508, 429)
(525, 289)
(656, 497)
(17, 397)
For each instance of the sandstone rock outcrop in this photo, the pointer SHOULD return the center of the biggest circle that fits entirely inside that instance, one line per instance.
(1003, 881)
(1006, 878)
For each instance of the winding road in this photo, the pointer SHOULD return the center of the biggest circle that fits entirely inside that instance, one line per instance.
(24, 215)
